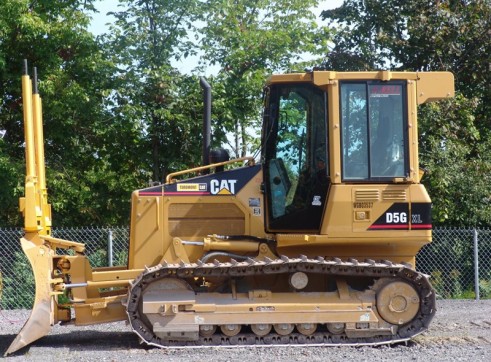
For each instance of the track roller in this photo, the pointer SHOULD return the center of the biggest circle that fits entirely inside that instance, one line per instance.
(283, 329)
(207, 330)
(336, 328)
(261, 329)
(230, 330)
(306, 329)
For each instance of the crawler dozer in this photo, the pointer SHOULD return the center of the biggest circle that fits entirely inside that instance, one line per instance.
(313, 244)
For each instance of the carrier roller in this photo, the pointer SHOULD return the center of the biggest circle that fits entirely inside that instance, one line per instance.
(294, 301)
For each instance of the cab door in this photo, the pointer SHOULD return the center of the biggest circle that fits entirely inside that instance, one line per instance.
(295, 159)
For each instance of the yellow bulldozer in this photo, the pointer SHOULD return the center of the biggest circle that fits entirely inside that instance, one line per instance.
(315, 243)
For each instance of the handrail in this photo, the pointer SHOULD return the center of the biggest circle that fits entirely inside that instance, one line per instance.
(169, 177)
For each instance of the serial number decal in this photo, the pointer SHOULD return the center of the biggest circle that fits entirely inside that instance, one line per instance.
(362, 205)
(254, 201)
(265, 309)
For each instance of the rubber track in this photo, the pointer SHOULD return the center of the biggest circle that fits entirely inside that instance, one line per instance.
(368, 268)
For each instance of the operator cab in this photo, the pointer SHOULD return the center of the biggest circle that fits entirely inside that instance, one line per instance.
(371, 145)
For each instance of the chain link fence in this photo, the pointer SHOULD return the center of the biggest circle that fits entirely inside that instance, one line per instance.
(103, 247)
(458, 261)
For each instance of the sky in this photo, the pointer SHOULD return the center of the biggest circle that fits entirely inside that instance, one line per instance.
(100, 20)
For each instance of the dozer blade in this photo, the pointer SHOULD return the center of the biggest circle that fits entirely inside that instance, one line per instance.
(42, 315)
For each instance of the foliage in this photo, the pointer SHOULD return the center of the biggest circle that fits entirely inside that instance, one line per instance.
(11, 175)
(458, 162)
(74, 80)
(452, 277)
(118, 114)
(162, 106)
(18, 287)
(485, 288)
(421, 35)
(249, 39)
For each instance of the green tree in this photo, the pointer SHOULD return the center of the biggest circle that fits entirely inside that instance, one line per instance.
(458, 163)
(421, 35)
(85, 187)
(11, 174)
(418, 35)
(248, 40)
(163, 106)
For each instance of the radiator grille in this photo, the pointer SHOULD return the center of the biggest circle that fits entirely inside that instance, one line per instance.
(399, 195)
(367, 195)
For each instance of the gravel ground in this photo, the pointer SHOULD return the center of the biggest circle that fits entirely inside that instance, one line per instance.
(461, 331)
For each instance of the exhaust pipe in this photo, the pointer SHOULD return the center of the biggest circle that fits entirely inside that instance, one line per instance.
(206, 120)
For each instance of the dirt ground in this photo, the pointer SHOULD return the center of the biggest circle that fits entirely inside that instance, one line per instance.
(461, 331)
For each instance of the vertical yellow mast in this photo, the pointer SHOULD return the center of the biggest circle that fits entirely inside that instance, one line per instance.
(45, 208)
(34, 206)
(37, 221)
(29, 203)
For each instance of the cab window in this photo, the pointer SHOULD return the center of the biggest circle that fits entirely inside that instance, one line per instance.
(374, 130)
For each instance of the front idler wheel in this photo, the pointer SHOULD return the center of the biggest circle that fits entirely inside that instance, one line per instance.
(397, 302)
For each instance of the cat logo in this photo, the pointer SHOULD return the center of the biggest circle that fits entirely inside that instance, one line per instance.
(222, 187)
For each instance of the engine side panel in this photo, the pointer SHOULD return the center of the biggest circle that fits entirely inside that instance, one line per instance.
(224, 203)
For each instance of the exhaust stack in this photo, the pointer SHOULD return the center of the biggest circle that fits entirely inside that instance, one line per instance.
(206, 120)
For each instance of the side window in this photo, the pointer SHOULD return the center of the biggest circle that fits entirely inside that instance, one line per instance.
(374, 130)
(291, 147)
(355, 131)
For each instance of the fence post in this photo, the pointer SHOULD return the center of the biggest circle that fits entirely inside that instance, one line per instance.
(476, 265)
(110, 248)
